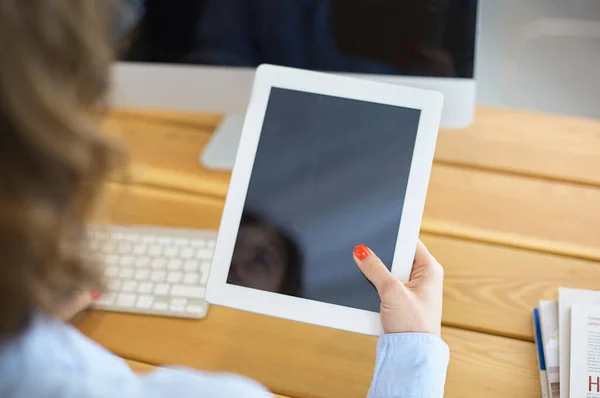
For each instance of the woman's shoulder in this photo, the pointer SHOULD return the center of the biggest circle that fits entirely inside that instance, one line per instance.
(52, 359)
(49, 344)
(52, 352)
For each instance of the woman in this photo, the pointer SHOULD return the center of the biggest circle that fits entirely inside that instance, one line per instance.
(55, 58)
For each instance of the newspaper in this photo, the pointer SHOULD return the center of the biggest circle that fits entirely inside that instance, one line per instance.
(567, 298)
(585, 351)
(548, 311)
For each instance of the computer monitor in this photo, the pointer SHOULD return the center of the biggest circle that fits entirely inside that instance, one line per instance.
(209, 65)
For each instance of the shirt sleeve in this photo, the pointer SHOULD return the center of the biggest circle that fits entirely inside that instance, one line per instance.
(410, 365)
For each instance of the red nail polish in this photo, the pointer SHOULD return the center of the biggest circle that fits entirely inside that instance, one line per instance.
(361, 252)
(95, 295)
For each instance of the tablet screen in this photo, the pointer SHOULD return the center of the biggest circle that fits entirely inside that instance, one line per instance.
(329, 173)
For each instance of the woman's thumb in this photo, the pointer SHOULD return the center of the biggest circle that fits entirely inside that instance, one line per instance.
(372, 267)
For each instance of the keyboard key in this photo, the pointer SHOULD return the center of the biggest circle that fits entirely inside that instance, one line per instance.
(187, 252)
(197, 243)
(126, 261)
(142, 262)
(140, 249)
(178, 301)
(112, 259)
(204, 254)
(145, 302)
(174, 264)
(126, 299)
(126, 273)
(191, 278)
(129, 286)
(125, 247)
(106, 299)
(181, 241)
(174, 277)
(172, 251)
(162, 289)
(142, 274)
(158, 263)
(164, 240)
(191, 265)
(114, 285)
(187, 291)
(145, 287)
(158, 276)
(155, 251)
(132, 237)
(160, 305)
(204, 277)
(148, 238)
(197, 307)
(178, 305)
(112, 271)
(211, 244)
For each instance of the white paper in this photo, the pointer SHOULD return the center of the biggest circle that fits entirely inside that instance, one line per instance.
(585, 351)
(566, 298)
(548, 313)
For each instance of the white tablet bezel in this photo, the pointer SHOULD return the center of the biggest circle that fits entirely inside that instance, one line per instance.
(300, 309)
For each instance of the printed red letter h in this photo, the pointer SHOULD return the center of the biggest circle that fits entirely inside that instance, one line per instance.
(591, 383)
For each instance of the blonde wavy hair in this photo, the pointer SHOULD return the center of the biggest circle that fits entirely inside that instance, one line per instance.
(55, 58)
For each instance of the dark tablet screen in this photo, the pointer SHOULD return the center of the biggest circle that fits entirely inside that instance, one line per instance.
(329, 173)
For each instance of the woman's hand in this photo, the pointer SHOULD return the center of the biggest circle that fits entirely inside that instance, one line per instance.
(412, 307)
(78, 303)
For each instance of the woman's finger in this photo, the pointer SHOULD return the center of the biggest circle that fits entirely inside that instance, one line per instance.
(425, 268)
(372, 267)
(422, 255)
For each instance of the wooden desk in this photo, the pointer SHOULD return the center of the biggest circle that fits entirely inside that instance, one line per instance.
(512, 213)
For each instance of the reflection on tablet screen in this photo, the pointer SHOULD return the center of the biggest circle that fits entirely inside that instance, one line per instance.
(329, 173)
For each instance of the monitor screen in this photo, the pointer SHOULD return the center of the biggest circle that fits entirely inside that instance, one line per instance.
(389, 37)
(329, 173)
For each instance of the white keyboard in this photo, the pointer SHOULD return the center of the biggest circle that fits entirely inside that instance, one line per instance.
(157, 271)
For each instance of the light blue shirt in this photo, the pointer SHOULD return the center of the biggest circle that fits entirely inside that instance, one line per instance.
(53, 360)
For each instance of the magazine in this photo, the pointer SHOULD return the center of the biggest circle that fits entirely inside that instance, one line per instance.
(566, 299)
(585, 351)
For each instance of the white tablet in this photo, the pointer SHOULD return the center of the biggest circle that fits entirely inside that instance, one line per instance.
(324, 163)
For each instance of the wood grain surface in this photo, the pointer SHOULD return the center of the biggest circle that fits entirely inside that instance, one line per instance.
(556, 147)
(512, 214)
(140, 367)
(497, 204)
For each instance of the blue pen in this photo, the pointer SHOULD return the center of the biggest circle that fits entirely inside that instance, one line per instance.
(540, 353)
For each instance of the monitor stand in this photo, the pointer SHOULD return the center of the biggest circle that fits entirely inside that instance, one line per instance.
(222, 148)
